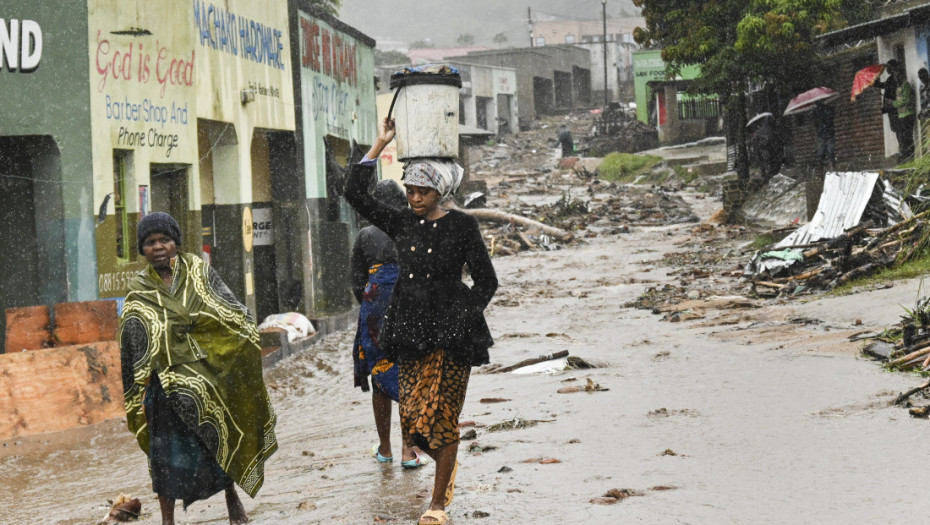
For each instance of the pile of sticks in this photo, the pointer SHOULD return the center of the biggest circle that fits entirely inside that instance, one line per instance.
(859, 252)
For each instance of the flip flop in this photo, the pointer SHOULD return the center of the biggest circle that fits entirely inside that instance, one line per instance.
(450, 488)
(416, 462)
(376, 453)
(440, 517)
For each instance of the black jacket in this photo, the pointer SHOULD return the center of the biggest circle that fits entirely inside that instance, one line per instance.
(431, 306)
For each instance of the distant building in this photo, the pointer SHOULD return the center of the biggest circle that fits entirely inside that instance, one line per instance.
(589, 34)
(433, 55)
(549, 79)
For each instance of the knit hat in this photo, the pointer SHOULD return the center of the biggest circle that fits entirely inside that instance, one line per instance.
(158, 222)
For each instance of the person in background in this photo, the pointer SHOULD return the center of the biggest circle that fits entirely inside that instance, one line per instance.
(564, 137)
(905, 103)
(924, 115)
(192, 377)
(434, 328)
(889, 89)
(374, 271)
(826, 135)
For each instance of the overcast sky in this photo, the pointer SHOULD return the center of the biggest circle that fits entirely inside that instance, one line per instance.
(442, 21)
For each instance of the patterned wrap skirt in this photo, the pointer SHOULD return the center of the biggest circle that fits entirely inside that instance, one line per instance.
(432, 393)
(180, 464)
(367, 356)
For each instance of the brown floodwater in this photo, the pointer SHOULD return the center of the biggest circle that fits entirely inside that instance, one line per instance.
(761, 421)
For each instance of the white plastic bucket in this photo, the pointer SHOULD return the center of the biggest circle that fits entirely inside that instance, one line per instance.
(426, 114)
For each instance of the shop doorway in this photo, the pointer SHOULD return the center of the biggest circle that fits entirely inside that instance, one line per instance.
(169, 194)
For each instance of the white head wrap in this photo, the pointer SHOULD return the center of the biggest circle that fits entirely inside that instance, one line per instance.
(442, 175)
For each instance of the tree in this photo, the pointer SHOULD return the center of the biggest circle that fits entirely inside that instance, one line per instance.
(742, 42)
(500, 39)
(390, 58)
(330, 7)
(422, 44)
(465, 39)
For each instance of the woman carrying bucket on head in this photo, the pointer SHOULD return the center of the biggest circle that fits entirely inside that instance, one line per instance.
(434, 328)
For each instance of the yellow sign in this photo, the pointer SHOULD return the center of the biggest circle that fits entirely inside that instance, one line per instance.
(247, 228)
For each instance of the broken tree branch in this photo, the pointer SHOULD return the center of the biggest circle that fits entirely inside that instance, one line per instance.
(531, 361)
(903, 397)
(500, 216)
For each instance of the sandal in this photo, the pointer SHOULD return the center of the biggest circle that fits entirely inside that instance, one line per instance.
(416, 462)
(439, 517)
(450, 488)
(376, 453)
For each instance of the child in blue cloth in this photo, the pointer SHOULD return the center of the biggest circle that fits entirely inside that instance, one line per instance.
(374, 271)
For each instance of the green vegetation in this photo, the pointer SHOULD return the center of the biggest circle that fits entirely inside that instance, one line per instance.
(625, 167)
(762, 241)
(913, 268)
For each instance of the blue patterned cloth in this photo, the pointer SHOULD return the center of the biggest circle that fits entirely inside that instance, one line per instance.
(367, 355)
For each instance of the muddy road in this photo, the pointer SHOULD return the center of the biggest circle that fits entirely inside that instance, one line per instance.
(758, 412)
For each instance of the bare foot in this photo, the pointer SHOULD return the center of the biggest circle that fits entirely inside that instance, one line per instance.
(237, 514)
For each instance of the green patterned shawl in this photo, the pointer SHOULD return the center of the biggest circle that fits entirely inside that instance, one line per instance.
(204, 346)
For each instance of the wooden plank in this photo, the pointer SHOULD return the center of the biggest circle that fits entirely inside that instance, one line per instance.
(57, 388)
(85, 322)
(27, 328)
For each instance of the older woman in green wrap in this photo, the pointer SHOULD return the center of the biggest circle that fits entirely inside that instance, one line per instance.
(192, 377)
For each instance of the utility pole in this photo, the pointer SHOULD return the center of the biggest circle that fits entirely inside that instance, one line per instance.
(529, 18)
(604, 16)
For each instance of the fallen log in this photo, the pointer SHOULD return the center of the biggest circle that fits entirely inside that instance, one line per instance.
(910, 357)
(500, 216)
(768, 284)
(531, 361)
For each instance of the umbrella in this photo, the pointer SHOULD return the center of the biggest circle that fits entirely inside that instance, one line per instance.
(805, 101)
(864, 78)
(757, 118)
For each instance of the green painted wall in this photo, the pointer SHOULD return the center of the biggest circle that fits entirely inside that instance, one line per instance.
(648, 66)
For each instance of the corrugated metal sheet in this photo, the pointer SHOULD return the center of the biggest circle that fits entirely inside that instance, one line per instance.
(842, 202)
(777, 204)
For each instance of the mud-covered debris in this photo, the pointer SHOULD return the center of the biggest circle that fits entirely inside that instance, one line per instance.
(621, 494)
(480, 514)
(615, 496)
(488, 400)
(504, 469)
(124, 508)
(469, 435)
(542, 461)
(921, 412)
(668, 452)
(575, 362)
(591, 386)
(515, 424)
(475, 448)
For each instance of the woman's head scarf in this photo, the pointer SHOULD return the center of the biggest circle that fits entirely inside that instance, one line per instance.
(443, 176)
(158, 222)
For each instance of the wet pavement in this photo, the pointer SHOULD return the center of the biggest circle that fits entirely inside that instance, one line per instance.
(755, 415)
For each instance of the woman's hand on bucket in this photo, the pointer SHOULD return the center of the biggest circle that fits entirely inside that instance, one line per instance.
(385, 136)
(386, 131)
